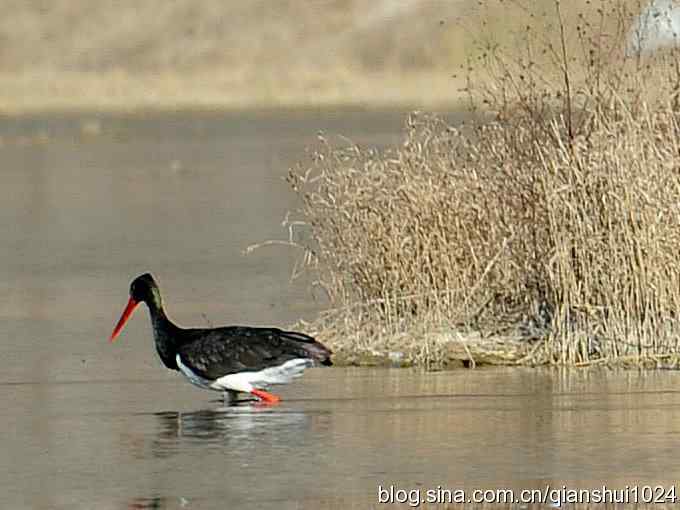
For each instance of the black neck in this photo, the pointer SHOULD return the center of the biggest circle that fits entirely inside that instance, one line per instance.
(165, 335)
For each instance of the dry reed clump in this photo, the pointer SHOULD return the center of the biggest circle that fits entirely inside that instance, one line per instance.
(549, 233)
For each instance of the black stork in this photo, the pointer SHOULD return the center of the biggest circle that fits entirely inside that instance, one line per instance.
(229, 359)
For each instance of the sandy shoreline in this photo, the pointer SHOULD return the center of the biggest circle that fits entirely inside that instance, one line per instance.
(29, 93)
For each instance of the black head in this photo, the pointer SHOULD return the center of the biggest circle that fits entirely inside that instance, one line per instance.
(145, 289)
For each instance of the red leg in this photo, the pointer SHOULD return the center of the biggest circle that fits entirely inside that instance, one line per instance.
(266, 397)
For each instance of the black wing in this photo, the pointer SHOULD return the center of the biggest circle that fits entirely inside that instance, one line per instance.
(213, 353)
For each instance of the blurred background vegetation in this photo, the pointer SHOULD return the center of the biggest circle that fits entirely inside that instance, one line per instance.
(75, 54)
(206, 53)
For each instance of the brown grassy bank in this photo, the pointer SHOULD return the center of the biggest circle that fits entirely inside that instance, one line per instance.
(548, 234)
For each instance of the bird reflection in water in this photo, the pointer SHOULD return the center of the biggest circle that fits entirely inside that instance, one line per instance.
(244, 431)
(227, 427)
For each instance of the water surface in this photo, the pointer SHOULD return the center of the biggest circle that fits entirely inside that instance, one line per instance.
(339, 433)
(89, 203)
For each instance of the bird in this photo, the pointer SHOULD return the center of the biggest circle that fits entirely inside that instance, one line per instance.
(230, 359)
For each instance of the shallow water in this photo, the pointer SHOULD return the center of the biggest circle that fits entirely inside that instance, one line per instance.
(87, 424)
(159, 443)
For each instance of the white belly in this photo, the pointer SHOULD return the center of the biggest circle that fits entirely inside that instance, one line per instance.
(248, 381)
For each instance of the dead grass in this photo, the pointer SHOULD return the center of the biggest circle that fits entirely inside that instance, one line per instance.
(546, 234)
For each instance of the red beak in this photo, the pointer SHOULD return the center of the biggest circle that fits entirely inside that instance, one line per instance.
(132, 304)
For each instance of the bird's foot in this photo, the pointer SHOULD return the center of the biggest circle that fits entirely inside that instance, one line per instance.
(266, 398)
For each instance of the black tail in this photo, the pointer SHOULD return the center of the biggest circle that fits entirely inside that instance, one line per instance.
(311, 348)
(318, 352)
